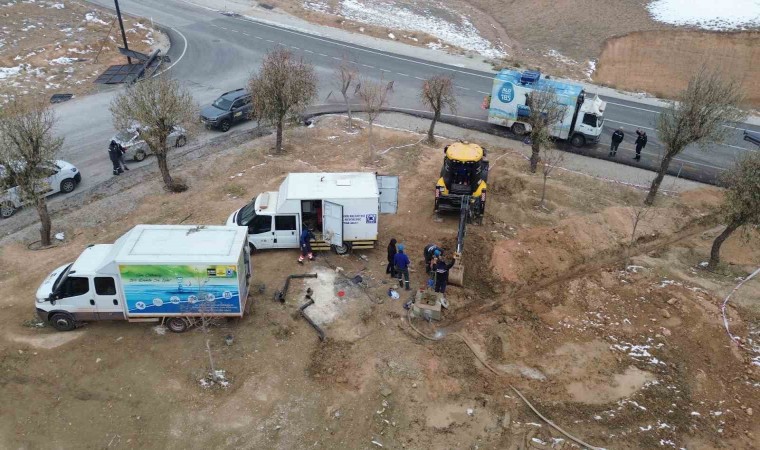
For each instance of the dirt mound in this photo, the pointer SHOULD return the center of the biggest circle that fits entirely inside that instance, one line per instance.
(661, 62)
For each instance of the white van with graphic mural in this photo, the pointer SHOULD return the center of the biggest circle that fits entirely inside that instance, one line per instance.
(341, 209)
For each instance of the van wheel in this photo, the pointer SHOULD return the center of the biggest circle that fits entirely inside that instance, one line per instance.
(68, 185)
(518, 128)
(225, 126)
(139, 155)
(7, 209)
(342, 249)
(176, 324)
(578, 141)
(181, 141)
(62, 322)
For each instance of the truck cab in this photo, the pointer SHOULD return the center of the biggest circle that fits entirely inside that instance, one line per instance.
(79, 292)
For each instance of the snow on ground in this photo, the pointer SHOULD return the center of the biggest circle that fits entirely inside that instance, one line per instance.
(708, 14)
(6, 72)
(457, 31)
(92, 17)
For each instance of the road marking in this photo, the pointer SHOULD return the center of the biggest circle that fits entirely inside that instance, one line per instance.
(368, 66)
(629, 124)
(258, 37)
(269, 40)
(294, 47)
(402, 74)
(223, 28)
(308, 51)
(462, 87)
(182, 55)
(245, 33)
(361, 49)
(322, 54)
(633, 107)
(418, 78)
(235, 31)
(335, 58)
(484, 93)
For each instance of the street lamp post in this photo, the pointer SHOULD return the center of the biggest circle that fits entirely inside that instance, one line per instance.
(121, 25)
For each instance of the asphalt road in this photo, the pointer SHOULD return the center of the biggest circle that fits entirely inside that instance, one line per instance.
(212, 53)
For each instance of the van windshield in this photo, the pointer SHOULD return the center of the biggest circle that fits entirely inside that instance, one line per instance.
(61, 278)
(246, 214)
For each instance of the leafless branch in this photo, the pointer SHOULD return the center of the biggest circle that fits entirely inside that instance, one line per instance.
(436, 94)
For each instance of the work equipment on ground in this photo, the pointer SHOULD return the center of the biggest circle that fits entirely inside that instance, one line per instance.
(463, 177)
(279, 296)
(309, 302)
(456, 273)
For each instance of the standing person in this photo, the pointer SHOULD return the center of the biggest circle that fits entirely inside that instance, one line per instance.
(305, 241)
(442, 274)
(641, 142)
(429, 253)
(114, 153)
(401, 261)
(617, 138)
(390, 269)
(122, 163)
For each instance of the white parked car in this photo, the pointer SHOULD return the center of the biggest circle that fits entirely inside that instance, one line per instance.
(62, 177)
(136, 149)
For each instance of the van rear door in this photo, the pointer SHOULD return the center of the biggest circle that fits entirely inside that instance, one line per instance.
(332, 223)
(388, 186)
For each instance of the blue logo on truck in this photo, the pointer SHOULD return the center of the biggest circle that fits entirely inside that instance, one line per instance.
(371, 218)
(506, 92)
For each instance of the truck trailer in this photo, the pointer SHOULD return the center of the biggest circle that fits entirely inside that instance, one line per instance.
(582, 118)
(341, 209)
(173, 274)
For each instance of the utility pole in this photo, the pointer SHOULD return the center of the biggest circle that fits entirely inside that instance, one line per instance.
(121, 25)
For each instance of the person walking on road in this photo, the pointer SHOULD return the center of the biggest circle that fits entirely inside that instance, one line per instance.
(390, 269)
(641, 142)
(401, 261)
(305, 242)
(442, 274)
(617, 138)
(114, 154)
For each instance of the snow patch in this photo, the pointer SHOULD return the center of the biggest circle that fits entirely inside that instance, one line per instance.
(58, 6)
(93, 18)
(707, 14)
(62, 60)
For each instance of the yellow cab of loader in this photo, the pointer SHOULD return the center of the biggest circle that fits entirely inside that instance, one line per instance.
(464, 176)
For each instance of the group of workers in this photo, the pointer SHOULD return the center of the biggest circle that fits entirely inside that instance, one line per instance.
(435, 265)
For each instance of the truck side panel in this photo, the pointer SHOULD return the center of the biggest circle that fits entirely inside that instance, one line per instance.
(181, 290)
(360, 217)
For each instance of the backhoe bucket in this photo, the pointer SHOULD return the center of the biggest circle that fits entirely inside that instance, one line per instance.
(456, 273)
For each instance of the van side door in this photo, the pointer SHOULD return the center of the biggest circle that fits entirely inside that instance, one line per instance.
(106, 296)
(261, 232)
(286, 231)
(75, 296)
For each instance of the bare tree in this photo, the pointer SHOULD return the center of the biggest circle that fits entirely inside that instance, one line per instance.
(345, 74)
(374, 97)
(552, 157)
(638, 214)
(438, 93)
(545, 112)
(27, 154)
(697, 117)
(282, 89)
(156, 107)
(742, 202)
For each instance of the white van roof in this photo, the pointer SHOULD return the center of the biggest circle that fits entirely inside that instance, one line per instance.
(316, 186)
(180, 244)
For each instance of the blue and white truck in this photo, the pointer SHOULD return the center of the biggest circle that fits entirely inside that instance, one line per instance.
(582, 118)
(173, 274)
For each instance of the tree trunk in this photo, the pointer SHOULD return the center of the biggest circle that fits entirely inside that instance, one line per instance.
(431, 135)
(715, 251)
(278, 143)
(534, 156)
(369, 139)
(543, 191)
(163, 166)
(658, 180)
(44, 222)
(348, 109)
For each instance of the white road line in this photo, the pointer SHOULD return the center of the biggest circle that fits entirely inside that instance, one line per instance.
(245, 33)
(182, 55)
(294, 47)
(402, 74)
(484, 93)
(308, 51)
(462, 88)
(336, 58)
(418, 78)
(235, 31)
(322, 54)
(368, 66)
(629, 124)
(633, 107)
(366, 50)
(269, 40)
(258, 37)
(223, 28)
